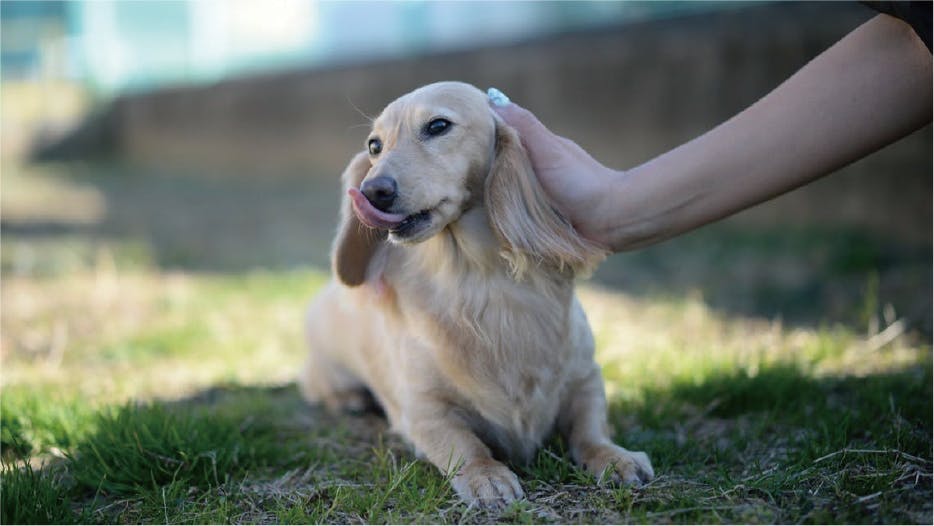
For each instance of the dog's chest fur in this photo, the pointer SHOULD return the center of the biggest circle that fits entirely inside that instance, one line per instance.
(501, 347)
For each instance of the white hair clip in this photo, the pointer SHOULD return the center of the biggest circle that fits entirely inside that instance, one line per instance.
(497, 97)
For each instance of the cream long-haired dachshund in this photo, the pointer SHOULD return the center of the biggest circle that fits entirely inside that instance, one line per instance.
(454, 303)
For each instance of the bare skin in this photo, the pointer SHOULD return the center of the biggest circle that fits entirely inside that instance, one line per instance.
(870, 89)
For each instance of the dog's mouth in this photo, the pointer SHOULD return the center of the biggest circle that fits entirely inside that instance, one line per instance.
(400, 225)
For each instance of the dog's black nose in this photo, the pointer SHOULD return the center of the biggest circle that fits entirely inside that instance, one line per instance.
(381, 191)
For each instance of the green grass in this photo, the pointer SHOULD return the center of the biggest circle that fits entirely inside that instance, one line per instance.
(143, 448)
(32, 423)
(35, 496)
(134, 391)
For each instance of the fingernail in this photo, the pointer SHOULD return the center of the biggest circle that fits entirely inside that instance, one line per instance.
(497, 97)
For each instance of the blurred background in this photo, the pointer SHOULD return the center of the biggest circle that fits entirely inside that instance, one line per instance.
(207, 136)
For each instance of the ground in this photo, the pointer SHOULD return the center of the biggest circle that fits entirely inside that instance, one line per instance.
(151, 334)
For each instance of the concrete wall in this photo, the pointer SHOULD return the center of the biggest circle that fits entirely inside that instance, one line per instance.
(625, 94)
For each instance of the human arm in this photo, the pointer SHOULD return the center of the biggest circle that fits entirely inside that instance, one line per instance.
(868, 90)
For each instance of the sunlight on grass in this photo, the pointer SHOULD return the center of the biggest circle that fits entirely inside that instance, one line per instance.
(652, 344)
(111, 336)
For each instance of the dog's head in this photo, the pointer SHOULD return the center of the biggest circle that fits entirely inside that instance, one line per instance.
(430, 156)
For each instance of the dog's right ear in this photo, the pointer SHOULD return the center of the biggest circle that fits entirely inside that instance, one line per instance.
(530, 227)
(355, 242)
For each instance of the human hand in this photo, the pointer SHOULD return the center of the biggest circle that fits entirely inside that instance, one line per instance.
(576, 182)
(869, 89)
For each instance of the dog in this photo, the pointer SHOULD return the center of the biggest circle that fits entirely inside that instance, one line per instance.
(453, 303)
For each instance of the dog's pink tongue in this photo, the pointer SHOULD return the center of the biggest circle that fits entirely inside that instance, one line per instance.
(369, 215)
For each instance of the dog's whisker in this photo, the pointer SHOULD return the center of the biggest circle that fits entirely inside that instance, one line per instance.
(363, 114)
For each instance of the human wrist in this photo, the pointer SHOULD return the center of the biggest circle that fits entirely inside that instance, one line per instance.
(599, 215)
(624, 217)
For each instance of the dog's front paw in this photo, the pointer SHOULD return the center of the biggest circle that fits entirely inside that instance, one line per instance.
(615, 465)
(487, 483)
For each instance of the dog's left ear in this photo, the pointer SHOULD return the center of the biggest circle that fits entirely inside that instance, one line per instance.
(531, 229)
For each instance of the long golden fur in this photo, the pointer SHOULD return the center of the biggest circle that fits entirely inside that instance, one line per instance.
(467, 330)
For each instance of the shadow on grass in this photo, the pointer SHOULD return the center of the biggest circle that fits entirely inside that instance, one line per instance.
(807, 449)
(126, 463)
(793, 447)
(883, 410)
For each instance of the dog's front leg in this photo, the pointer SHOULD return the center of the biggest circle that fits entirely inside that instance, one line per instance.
(583, 423)
(445, 438)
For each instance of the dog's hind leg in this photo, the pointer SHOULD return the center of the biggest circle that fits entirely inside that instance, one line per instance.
(583, 424)
(324, 382)
(324, 378)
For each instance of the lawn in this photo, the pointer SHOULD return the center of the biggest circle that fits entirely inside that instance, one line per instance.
(151, 333)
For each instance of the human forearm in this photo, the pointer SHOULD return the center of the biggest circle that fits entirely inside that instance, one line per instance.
(869, 89)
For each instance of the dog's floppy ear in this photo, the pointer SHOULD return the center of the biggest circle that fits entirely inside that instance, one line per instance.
(531, 229)
(355, 242)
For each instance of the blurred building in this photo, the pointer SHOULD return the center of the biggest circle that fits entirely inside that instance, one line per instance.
(113, 46)
(40, 90)
(34, 39)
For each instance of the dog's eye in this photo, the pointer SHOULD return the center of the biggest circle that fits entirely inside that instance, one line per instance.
(437, 127)
(375, 146)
